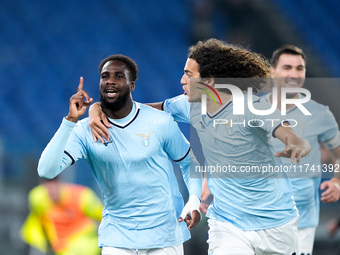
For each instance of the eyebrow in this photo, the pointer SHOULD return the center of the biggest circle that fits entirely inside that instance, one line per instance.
(115, 72)
(287, 65)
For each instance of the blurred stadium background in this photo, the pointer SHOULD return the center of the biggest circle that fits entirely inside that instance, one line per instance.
(45, 46)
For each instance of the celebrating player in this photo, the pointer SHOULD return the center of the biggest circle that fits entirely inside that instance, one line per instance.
(289, 70)
(249, 214)
(142, 202)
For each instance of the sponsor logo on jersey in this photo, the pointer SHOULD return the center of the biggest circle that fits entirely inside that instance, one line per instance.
(107, 142)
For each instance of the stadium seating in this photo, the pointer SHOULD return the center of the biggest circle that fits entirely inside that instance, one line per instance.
(318, 23)
(47, 46)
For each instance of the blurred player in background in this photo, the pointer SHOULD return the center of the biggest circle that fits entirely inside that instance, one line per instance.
(289, 70)
(247, 215)
(143, 208)
(320, 129)
(63, 218)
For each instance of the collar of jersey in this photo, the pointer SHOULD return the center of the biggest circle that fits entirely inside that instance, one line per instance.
(124, 122)
(223, 107)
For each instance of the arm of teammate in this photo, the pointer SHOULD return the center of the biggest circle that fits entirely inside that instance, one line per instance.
(295, 146)
(99, 124)
(53, 160)
(158, 105)
(178, 107)
(332, 187)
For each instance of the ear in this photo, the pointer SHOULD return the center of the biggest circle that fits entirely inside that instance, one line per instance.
(210, 81)
(132, 86)
(272, 72)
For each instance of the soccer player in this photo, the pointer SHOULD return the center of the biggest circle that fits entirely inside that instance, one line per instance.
(248, 215)
(142, 202)
(63, 216)
(289, 70)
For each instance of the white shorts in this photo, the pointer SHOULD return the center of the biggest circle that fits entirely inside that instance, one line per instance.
(306, 240)
(173, 250)
(226, 239)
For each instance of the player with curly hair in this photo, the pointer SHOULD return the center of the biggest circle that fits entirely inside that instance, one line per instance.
(250, 213)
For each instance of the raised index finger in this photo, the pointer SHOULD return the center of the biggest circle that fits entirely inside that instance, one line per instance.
(80, 86)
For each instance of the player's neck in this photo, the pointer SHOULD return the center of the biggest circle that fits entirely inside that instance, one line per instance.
(124, 111)
(213, 107)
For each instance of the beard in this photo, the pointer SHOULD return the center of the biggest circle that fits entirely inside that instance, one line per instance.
(116, 105)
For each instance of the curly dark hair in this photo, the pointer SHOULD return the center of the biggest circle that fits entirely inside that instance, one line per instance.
(218, 59)
(131, 65)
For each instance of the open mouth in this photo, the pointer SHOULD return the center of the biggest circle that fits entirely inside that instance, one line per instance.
(293, 82)
(185, 92)
(111, 92)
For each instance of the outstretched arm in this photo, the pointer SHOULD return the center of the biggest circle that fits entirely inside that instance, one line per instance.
(296, 146)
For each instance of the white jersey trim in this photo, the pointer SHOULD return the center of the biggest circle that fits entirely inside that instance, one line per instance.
(129, 121)
(334, 143)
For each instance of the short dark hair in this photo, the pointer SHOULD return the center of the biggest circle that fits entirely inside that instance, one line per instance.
(217, 59)
(131, 65)
(286, 49)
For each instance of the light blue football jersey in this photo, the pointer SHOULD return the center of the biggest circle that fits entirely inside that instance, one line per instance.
(250, 201)
(142, 202)
(320, 127)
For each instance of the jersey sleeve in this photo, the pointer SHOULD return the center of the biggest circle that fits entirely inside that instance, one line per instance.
(55, 158)
(178, 148)
(268, 122)
(178, 107)
(330, 136)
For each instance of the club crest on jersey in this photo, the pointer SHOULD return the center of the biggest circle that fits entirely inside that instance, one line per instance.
(145, 138)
